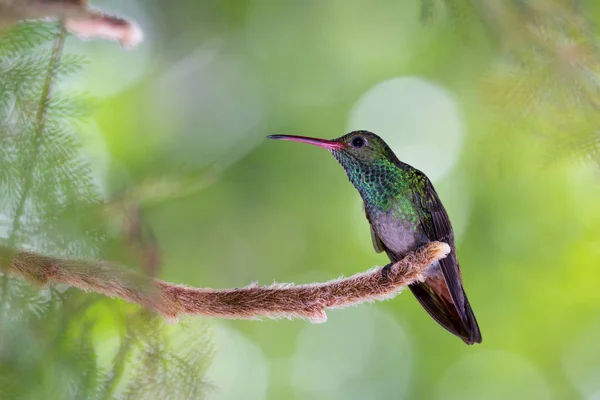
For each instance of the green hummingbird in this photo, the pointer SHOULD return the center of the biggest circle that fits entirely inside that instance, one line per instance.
(404, 212)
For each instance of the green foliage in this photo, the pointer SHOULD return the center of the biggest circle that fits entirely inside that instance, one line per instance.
(547, 76)
(49, 338)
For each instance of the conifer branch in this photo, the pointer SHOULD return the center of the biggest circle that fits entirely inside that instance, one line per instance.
(36, 138)
(307, 301)
(39, 127)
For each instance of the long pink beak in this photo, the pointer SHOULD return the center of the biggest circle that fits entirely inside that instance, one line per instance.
(326, 144)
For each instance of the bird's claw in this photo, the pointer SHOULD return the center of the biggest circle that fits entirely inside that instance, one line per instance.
(385, 271)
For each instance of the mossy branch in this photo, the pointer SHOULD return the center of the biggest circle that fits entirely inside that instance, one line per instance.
(307, 301)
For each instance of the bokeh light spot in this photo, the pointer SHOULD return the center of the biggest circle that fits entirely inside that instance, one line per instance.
(212, 105)
(239, 369)
(420, 120)
(349, 357)
(581, 362)
(492, 375)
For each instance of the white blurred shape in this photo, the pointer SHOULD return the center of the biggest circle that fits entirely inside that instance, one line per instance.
(239, 369)
(492, 375)
(420, 121)
(112, 70)
(213, 103)
(581, 362)
(359, 353)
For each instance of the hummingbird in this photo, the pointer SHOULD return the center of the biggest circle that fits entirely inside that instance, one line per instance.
(404, 212)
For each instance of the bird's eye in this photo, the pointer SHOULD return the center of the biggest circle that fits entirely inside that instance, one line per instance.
(358, 142)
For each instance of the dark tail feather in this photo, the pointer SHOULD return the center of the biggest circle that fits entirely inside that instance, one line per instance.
(438, 303)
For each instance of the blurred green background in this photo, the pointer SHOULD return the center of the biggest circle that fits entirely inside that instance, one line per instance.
(456, 97)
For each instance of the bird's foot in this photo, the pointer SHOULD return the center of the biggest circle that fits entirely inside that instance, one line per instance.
(385, 271)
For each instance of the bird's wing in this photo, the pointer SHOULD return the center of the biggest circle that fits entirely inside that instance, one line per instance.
(377, 243)
(437, 227)
(443, 297)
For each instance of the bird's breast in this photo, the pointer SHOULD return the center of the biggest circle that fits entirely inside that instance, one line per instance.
(399, 232)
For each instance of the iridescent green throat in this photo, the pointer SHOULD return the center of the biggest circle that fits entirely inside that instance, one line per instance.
(381, 183)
